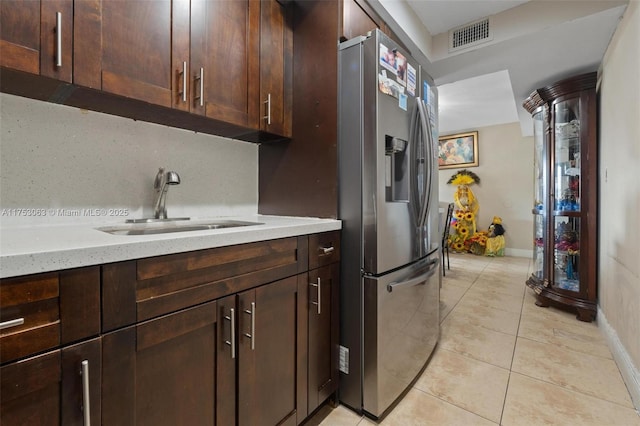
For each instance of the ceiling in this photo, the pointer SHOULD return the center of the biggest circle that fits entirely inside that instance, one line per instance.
(533, 43)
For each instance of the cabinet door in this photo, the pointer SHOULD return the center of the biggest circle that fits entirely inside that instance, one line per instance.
(359, 18)
(227, 358)
(30, 39)
(267, 318)
(567, 198)
(224, 60)
(81, 377)
(323, 333)
(162, 372)
(124, 48)
(357, 21)
(276, 50)
(30, 392)
(48, 389)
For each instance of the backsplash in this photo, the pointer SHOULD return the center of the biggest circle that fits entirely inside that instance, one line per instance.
(60, 164)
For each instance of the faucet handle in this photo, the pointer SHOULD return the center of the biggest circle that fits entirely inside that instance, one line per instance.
(158, 183)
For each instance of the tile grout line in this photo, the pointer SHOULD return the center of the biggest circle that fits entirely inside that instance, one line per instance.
(506, 392)
(453, 405)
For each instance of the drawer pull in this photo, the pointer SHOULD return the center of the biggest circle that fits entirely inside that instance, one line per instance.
(318, 286)
(86, 410)
(252, 336)
(325, 251)
(11, 323)
(200, 78)
(58, 39)
(232, 318)
(268, 116)
(184, 81)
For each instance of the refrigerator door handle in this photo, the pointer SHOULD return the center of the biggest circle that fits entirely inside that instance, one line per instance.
(426, 142)
(431, 152)
(413, 141)
(420, 279)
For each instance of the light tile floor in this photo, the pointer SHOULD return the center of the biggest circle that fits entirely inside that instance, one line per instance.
(503, 360)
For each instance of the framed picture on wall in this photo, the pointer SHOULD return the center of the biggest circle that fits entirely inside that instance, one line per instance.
(458, 151)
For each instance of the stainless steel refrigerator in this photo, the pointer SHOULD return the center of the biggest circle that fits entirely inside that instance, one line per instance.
(388, 202)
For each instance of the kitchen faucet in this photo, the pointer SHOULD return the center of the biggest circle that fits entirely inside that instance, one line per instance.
(161, 185)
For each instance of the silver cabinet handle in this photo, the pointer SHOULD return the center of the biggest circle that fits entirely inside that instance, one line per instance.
(318, 286)
(58, 39)
(232, 317)
(86, 402)
(11, 323)
(252, 336)
(268, 116)
(326, 250)
(201, 78)
(184, 81)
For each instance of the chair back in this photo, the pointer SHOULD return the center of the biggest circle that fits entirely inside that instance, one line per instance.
(447, 224)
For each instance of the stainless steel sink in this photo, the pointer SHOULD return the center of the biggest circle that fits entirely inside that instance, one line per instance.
(164, 227)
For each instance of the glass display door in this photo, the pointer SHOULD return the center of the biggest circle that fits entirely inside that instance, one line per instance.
(566, 195)
(539, 193)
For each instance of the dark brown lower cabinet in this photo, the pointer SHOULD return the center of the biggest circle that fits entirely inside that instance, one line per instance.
(231, 361)
(162, 371)
(243, 335)
(267, 357)
(323, 334)
(49, 389)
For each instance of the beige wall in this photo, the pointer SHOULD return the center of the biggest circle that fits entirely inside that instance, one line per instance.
(506, 188)
(619, 263)
(59, 157)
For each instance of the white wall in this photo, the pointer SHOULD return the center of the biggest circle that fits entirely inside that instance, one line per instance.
(619, 262)
(58, 157)
(506, 188)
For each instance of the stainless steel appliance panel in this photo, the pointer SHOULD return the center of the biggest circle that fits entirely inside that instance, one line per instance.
(350, 208)
(390, 233)
(386, 165)
(401, 329)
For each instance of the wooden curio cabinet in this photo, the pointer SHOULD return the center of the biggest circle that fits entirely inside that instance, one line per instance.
(565, 195)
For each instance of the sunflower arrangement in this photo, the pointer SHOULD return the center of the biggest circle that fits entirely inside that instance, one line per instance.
(465, 213)
(478, 242)
(458, 246)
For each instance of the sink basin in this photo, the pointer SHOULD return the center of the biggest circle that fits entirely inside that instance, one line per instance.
(172, 226)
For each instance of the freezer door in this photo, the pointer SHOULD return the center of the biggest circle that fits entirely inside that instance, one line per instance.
(401, 329)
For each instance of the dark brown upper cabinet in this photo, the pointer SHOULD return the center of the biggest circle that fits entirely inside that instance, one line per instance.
(224, 60)
(359, 18)
(276, 68)
(124, 48)
(217, 67)
(36, 37)
(232, 62)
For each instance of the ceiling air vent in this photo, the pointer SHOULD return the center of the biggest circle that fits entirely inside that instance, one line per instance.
(470, 35)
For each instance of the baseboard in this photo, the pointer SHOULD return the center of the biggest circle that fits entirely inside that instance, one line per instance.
(630, 373)
(518, 252)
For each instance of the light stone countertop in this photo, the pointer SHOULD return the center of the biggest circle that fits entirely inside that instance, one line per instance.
(42, 248)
